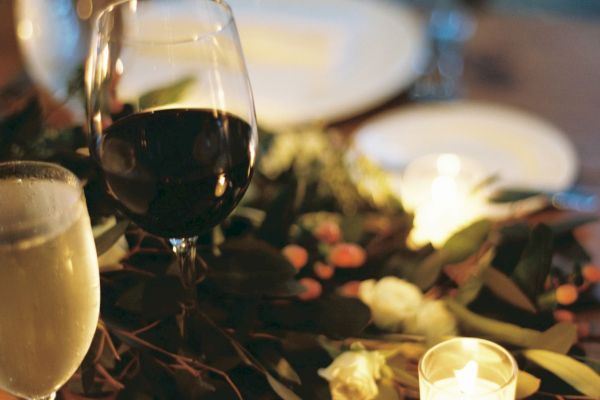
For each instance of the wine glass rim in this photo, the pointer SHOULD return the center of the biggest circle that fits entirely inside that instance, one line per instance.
(194, 38)
(18, 169)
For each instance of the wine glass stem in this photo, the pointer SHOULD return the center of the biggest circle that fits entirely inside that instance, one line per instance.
(192, 272)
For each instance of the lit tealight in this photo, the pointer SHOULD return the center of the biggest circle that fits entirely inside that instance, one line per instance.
(467, 369)
(439, 190)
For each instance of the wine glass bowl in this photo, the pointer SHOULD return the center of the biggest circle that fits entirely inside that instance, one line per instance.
(49, 281)
(171, 114)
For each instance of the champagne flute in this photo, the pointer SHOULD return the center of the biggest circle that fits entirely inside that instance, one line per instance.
(49, 281)
(172, 117)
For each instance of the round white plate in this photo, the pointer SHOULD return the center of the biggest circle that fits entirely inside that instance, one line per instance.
(324, 60)
(524, 150)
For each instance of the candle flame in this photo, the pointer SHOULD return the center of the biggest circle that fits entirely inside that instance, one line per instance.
(467, 377)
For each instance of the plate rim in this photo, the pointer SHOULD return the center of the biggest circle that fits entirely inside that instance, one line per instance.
(557, 134)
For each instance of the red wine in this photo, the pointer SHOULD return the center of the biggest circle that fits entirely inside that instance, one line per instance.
(177, 172)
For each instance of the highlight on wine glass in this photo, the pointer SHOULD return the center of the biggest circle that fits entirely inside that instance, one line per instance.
(467, 368)
(49, 279)
(172, 117)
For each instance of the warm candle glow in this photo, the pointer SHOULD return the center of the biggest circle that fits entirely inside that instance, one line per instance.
(439, 190)
(467, 377)
(467, 369)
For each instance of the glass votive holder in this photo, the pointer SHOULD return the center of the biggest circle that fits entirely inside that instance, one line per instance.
(467, 369)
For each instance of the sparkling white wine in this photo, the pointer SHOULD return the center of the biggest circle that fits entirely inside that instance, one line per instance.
(49, 285)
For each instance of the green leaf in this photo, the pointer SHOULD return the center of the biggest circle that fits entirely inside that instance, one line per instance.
(567, 225)
(468, 292)
(106, 240)
(387, 391)
(428, 272)
(162, 297)
(458, 247)
(131, 299)
(512, 195)
(405, 378)
(19, 131)
(503, 287)
(534, 265)
(478, 325)
(250, 266)
(575, 373)
(280, 216)
(527, 384)
(285, 370)
(166, 94)
(341, 317)
(283, 391)
(558, 338)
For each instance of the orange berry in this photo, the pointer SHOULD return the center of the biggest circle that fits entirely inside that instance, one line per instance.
(323, 271)
(313, 289)
(566, 294)
(347, 255)
(328, 232)
(591, 273)
(583, 329)
(296, 255)
(349, 289)
(564, 316)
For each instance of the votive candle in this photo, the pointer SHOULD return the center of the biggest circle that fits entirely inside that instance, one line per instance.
(467, 369)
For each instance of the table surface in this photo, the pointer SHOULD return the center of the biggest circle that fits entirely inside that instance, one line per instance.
(546, 64)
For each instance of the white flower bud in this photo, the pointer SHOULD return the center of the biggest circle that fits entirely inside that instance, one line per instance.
(394, 302)
(353, 375)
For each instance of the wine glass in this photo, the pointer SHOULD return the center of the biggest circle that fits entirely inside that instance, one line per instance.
(49, 281)
(172, 117)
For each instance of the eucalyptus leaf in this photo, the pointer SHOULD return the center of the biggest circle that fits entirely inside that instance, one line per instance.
(285, 370)
(279, 217)
(512, 195)
(107, 240)
(527, 384)
(428, 272)
(558, 338)
(19, 131)
(166, 94)
(341, 317)
(386, 391)
(575, 373)
(503, 287)
(458, 247)
(162, 297)
(478, 325)
(567, 225)
(534, 265)
(250, 266)
(405, 378)
(283, 391)
(468, 292)
(131, 299)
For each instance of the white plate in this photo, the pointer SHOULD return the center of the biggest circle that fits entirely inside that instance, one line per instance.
(313, 60)
(524, 150)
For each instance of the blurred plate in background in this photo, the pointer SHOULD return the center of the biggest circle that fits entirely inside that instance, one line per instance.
(324, 60)
(524, 150)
